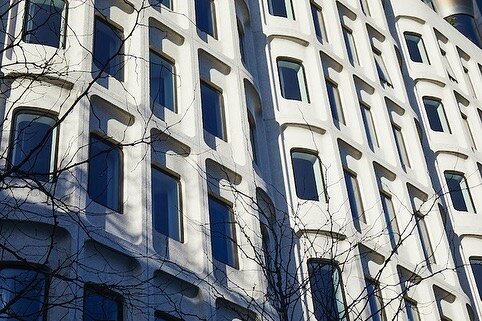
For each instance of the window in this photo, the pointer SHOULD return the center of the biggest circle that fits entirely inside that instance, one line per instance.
(161, 316)
(335, 102)
(468, 132)
(101, 304)
(308, 176)
(382, 70)
(292, 80)
(375, 300)
(369, 126)
(364, 7)
(416, 48)
(252, 136)
(401, 148)
(318, 23)
(468, 79)
(166, 204)
(45, 22)
(436, 115)
(390, 219)
(157, 3)
(108, 48)
(223, 240)
(411, 309)
(476, 264)
(350, 46)
(459, 192)
(105, 173)
(33, 145)
(281, 8)
(448, 67)
(327, 291)
(23, 293)
(242, 41)
(354, 197)
(212, 110)
(205, 16)
(424, 238)
(161, 81)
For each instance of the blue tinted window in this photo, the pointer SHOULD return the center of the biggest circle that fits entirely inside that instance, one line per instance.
(108, 48)
(166, 205)
(369, 126)
(101, 307)
(326, 291)
(280, 8)
(436, 115)
(308, 177)
(157, 3)
(22, 294)
(354, 197)
(292, 80)
(476, 264)
(223, 241)
(416, 48)
(162, 88)
(335, 102)
(205, 16)
(33, 145)
(212, 110)
(44, 22)
(412, 311)
(459, 192)
(375, 301)
(350, 46)
(105, 170)
(390, 219)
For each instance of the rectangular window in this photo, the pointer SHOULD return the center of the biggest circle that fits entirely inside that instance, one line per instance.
(416, 48)
(318, 23)
(424, 238)
(327, 291)
(476, 264)
(281, 8)
(33, 145)
(382, 70)
(45, 22)
(212, 110)
(292, 80)
(162, 81)
(375, 300)
(468, 79)
(241, 41)
(436, 115)
(100, 304)
(105, 173)
(157, 3)
(459, 192)
(252, 136)
(369, 126)
(223, 239)
(354, 197)
(335, 102)
(166, 204)
(390, 219)
(22, 294)
(108, 48)
(350, 46)
(364, 7)
(468, 132)
(448, 67)
(401, 148)
(205, 17)
(411, 309)
(308, 176)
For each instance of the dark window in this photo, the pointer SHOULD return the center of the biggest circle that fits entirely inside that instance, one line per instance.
(45, 22)
(390, 219)
(22, 294)
(412, 310)
(401, 148)
(318, 23)
(436, 115)
(354, 197)
(162, 83)
(101, 305)
(166, 204)
(108, 48)
(424, 238)
(205, 16)
(335, 102)
(242, 41)
(223, 241)
(33, 145)
(157, 3)
(161, 316)
(105, 173)
(382, 70)
(364, 7)
(350, 46)
(252, 136)
(416, 48)
(369, 126)
(375, 300)
(292, 80)
(459, 192)
(212, 110)
(326, 291)
(476, 264)
(308, 176)
(280, 8)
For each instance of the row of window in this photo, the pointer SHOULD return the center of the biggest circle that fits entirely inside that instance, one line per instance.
(24, 292)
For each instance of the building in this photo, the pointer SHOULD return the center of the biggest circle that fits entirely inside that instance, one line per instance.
(240, 160)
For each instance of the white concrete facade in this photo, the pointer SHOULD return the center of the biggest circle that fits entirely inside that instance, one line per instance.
(409, 237)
